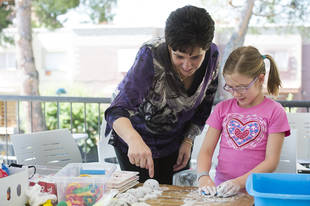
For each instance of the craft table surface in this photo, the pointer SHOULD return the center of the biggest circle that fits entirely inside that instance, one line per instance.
(175, 196)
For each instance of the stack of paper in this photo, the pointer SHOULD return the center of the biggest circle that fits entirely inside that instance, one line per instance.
(123, 180)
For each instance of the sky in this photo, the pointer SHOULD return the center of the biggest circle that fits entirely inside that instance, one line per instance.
(147, 12)
(136, 13)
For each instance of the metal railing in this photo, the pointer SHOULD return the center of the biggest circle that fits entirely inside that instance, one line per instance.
(7, 129)
(300, 106)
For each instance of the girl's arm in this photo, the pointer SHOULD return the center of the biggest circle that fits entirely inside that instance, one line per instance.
(273, 151)
(205, 156)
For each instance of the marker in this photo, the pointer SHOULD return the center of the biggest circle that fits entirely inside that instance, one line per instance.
(92, 172)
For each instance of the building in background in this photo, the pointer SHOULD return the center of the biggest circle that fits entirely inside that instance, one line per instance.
(95, 59)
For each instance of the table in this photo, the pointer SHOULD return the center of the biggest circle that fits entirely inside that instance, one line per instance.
(175, 196)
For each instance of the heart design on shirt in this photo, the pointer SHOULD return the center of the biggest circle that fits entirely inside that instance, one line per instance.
(242, 133)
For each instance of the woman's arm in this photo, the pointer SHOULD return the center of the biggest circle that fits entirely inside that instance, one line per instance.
(132, 91)
(139, 153)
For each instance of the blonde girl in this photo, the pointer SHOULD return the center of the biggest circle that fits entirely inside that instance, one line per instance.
(250, 126)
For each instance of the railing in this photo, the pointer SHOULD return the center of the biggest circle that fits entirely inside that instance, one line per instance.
(6, 130)
(9, 127)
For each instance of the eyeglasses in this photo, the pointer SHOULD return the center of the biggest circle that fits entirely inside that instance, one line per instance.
(239, 89)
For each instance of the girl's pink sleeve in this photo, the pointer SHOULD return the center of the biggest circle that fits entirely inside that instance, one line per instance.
(279, 122)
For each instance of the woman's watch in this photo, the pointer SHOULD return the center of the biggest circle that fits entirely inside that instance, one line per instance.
(200, 174)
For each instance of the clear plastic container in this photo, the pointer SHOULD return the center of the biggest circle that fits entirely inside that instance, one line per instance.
(78, 187)
(283, 189)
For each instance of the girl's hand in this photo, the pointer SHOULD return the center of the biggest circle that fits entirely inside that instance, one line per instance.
(184, 155)
(207, 186)
(140, 154)
(228, 188)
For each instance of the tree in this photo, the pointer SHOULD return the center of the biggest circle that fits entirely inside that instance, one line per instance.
(258, 13)
(25, 62)
(46, 13)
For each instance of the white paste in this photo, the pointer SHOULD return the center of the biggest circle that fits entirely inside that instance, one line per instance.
(140, 204)
(149, 190)
(118, 202)
(151, 183)
(127, 197)
(194, 197)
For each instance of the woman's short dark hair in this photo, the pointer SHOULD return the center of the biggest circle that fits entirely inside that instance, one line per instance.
(189, 27)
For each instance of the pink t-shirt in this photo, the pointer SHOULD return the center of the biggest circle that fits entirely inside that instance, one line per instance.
(244, 134)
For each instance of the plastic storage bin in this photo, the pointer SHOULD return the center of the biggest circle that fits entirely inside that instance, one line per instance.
(274, 189)
(83, 188)
(13, 187)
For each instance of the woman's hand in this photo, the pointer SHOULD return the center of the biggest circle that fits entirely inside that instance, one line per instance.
(184, 154)
(140, 154)
(207, 186)
(228, 188)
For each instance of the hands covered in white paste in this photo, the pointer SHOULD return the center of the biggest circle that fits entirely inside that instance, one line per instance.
(183, 157)
(207, 186)
(140, 154)
(228, 188)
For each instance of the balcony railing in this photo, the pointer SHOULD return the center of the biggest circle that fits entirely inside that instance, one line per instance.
(12, 120)
(12, 110)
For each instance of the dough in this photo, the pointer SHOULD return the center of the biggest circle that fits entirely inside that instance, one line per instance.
(140, 204)
(118, 202)
(127, 197)
(151, 183)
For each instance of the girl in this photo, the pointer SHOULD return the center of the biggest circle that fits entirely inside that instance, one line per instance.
(251, 126)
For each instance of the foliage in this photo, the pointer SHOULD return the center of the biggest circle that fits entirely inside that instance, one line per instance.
(47, 11)
(5, 21)
(100, 10)
(77, 119)
(290, 12)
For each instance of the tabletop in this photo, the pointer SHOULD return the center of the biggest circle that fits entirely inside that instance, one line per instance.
(188, 196)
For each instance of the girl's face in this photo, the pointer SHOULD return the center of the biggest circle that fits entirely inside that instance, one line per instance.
(187, 63)
(247, 91)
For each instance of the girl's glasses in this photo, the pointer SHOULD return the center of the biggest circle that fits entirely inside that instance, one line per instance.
(239, 89)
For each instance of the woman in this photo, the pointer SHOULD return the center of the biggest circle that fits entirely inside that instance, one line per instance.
(166, 97)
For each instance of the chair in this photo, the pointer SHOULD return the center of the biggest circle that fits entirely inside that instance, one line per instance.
(300, 127)
(106, 151)
(49, 148)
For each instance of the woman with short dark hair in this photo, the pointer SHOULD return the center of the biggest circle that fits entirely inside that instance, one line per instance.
(165, 98)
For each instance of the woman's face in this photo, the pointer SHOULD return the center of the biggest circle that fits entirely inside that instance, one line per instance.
(187, 63)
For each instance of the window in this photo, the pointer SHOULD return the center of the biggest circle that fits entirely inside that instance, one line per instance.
(55, 61)
(7, 60)
(125, 59)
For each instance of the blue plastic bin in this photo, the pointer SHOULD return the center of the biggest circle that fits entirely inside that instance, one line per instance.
(269, 189)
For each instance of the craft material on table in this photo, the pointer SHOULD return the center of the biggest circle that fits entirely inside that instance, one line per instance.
(189, 196)
(123, 180)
